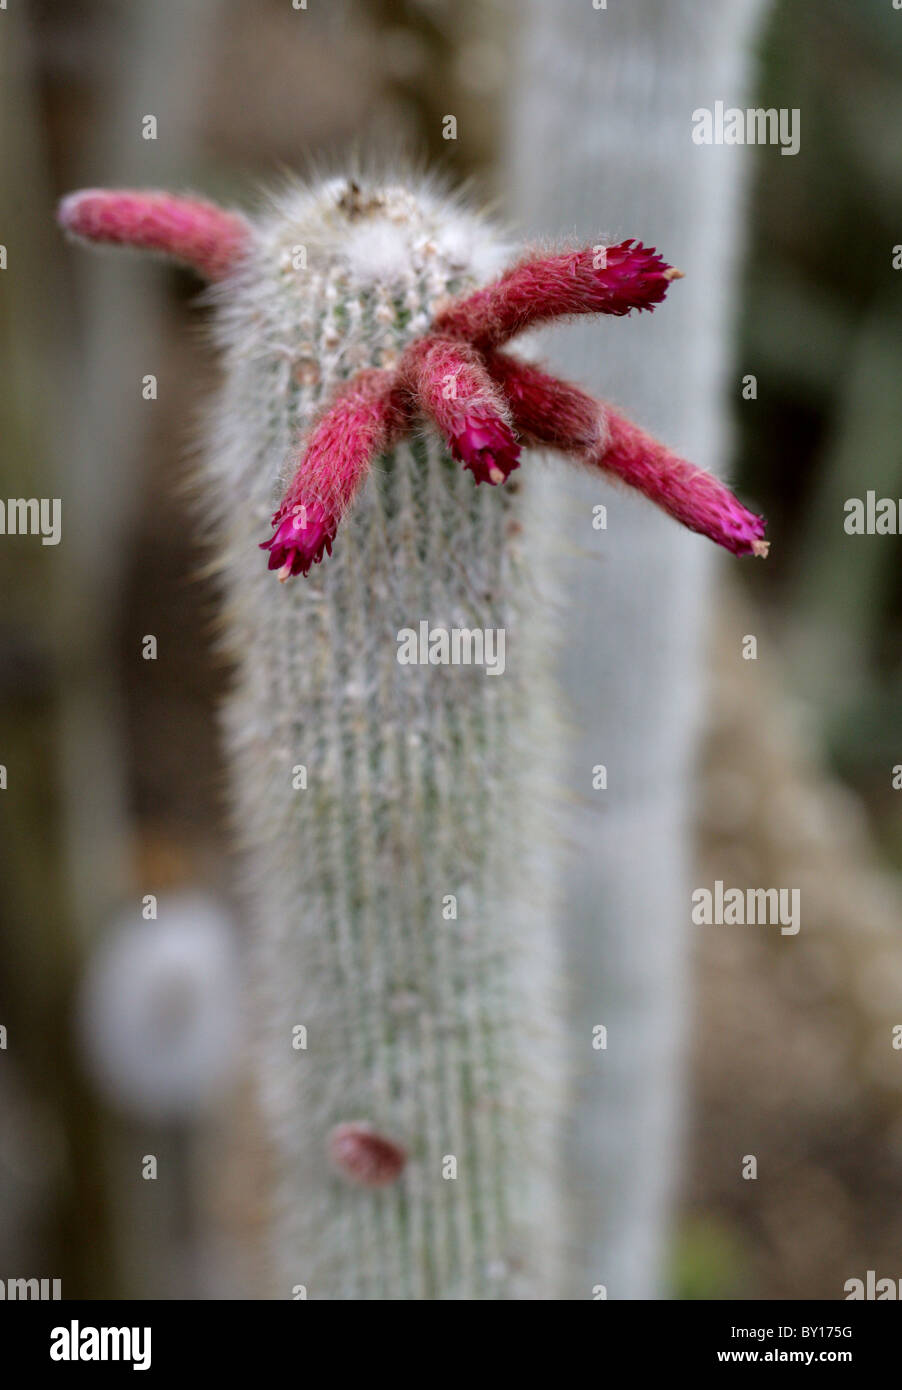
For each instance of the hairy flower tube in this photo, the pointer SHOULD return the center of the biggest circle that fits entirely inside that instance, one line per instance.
(554, 414)
(198, 233)
(448, 381)
(483, 402)
(361, 423)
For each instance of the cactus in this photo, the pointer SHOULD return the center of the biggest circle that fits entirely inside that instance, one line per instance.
(405, 992)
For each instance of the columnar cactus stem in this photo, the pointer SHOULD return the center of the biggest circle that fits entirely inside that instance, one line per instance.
(418, 1053)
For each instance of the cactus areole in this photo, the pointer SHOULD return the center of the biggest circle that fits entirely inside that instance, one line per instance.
(391, 815)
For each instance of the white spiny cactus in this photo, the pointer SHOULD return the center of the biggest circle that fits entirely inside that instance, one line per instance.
(419, 785)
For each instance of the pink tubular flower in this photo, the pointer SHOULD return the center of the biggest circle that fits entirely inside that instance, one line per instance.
(547, 411)
(482, 401)
(486, 446)
(364, 1156)
(697, 499)
(303, 533)
(361, 423)
(597, 280)
(552, 413)
(448, 380)
(198, 233)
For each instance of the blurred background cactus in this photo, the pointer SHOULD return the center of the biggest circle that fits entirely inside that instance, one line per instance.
(114, 779)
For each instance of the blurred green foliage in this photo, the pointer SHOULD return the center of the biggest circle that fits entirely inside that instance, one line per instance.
(707, 1261)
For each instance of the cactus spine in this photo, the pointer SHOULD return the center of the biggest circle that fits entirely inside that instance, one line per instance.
(438, 1032)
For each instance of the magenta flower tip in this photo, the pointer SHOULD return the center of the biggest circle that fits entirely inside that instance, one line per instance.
(636, 276)
(302, 535)
(708, 506)
(748, 533)
(488, 447)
